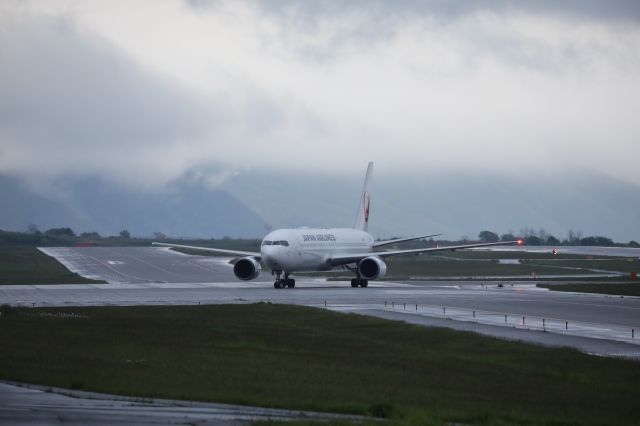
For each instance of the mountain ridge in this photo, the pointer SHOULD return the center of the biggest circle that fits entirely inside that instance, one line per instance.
(250, 203)
(185, 209)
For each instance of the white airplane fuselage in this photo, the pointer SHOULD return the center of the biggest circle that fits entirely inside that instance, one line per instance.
(316, 249)
(307, 249)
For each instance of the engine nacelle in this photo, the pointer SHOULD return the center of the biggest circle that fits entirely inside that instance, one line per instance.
(246, 268)
(372, 268)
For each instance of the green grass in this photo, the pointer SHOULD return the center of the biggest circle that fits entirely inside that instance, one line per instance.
(626, 289)
(441, 266)
(618, 264)
(494, 254)
(28, 265)
(482, 264)
(304, 358)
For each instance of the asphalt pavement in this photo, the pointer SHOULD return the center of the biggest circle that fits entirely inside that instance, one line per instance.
(44, 405)
(514, 310)
(598, 324)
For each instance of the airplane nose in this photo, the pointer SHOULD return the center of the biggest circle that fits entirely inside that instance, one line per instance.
(268, 257)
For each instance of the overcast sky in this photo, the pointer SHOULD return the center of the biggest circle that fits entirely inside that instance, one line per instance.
(146, 92)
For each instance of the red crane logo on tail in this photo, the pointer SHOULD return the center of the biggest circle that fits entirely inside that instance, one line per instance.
(366, 207)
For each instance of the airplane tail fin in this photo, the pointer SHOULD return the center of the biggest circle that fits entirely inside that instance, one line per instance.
(362, 217)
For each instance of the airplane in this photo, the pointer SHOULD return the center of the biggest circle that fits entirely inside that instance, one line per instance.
(285, 251)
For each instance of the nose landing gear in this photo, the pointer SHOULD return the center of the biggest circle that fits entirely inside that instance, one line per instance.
(283, 282)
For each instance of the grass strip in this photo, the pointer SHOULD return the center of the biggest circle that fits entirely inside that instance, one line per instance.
(406, 267)
(619, 264)
(28, 265)
(628, 289)
(305, 358)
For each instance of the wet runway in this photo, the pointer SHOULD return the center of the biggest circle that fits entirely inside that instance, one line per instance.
(141, 264)
(43, 405)
(579, 250)
(595, 324)
(598, 324)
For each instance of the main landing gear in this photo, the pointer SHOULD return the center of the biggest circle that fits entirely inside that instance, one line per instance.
(284, 282)
(359, 282)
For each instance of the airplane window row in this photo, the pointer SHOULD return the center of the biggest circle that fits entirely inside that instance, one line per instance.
(275, 243)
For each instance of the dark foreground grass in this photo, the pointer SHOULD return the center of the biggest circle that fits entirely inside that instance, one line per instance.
(304, 358)
(28, 265)
(628, 289)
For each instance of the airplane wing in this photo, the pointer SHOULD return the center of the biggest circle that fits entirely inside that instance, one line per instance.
(356, 257)
(401, 240)
(236, 253)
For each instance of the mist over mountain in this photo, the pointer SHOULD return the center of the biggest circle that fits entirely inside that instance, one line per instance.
(479, 115)
(245, 205)
(454, 204)
(185, 209)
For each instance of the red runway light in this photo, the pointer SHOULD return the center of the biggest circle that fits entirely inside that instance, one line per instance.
(520, 242)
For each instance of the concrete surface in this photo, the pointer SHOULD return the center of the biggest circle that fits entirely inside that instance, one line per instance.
(599, 324)
(141, 264)
(595, 324)
(44, 405)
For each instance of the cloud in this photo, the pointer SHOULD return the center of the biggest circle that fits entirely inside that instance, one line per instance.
(72, 103)
(627, 10)
(148, 92)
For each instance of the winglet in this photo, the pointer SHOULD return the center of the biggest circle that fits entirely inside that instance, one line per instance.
(362, 217)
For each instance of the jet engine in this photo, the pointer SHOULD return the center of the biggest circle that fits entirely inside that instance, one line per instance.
(372, 268)
(246, 268)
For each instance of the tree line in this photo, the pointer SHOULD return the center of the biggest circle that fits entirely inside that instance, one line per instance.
(66, 236)
(63, 236)
(33, 229)
(540, 237)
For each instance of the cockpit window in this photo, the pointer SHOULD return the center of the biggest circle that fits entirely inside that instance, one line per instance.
(275, 243)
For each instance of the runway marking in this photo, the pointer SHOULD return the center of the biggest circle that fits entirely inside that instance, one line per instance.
(197, 263)
(150, 264)
(115, 270)
(155, 266)
(62, 258)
